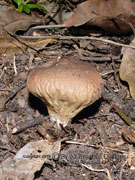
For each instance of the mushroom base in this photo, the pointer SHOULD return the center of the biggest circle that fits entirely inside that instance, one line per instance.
(58, 118)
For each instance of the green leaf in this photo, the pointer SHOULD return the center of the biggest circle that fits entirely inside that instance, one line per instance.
(18, 2)
(26, 9)
(26, 2)
(20, 8)
(36, 6)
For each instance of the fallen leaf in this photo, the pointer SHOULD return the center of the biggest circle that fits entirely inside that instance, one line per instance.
(107, 14)
(10, 22)
(127, 68)
(29, 159)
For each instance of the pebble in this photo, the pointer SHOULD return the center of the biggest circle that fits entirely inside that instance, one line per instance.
(21, 103)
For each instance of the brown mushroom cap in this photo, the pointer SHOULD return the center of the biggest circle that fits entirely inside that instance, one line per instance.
(66, 86)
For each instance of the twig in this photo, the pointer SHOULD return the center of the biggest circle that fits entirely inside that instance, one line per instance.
(8, 149)
(22, 126)
(7, 124)
(50, 26)
(14, 66)
(98, 170)
(122, 115)
(14, 94)
(115, 74)
(5, 89)
(78, 50)
(78, 37)
(20, 40)
(99, 146)
(130, 154)
(108, 72)
(101, 59)
(121, 171)
(7, 4)
(49, 13)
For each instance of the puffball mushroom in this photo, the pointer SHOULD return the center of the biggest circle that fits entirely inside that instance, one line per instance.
(66, 86)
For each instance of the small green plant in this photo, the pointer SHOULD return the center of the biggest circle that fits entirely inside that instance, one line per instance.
(25, 6)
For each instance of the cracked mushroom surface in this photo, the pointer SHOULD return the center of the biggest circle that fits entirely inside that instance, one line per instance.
(66, 86)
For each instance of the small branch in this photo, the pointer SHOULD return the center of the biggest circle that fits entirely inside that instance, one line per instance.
(117, 79)
(108, 72)
(15, 93)
(99, 146)
(22, 126)
(101, 59)
(98, 170)
(121, 171)
(14, 66)
(130, 154)
(50, 26)
(78, 37)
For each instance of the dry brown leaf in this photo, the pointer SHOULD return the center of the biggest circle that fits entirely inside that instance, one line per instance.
(10, 22)
(108, 14)
(29, 159)
(127, 68)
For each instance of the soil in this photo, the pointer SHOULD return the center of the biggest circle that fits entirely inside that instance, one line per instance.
(96, 146)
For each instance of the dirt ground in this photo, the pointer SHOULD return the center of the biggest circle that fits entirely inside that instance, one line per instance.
(96, 147)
